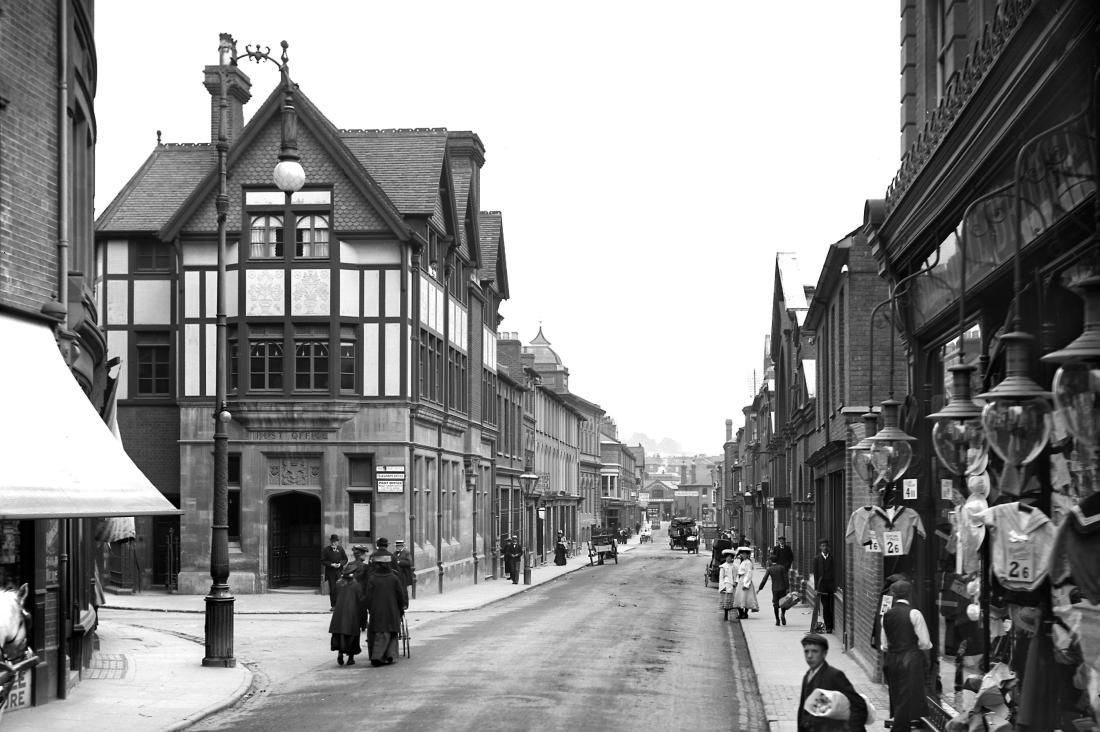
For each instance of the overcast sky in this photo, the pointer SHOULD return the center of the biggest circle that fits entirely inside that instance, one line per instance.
(649, 158)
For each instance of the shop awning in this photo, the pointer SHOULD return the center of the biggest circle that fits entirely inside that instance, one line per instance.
(58, 458)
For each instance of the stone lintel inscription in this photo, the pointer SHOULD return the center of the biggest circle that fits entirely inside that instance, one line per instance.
(287, 435)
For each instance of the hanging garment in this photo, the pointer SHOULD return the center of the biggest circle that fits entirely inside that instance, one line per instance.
(858, 529)
(971, 534)
(902, 520)
(1074, 556)
(1023, 539)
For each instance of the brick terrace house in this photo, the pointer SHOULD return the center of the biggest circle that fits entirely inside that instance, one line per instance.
(362, 314)
(62, 466)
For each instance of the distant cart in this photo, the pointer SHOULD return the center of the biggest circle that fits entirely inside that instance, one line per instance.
(603, 545)
(679, 531)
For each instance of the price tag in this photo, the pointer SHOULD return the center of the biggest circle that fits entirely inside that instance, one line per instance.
(910, 486)
(1020, 563)
(947, 488)
(887, 603)
(892, 543)
(874, 545)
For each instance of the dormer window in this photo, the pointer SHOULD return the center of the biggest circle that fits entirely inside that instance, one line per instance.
(270, 212)
(267, 237)
(312, 242)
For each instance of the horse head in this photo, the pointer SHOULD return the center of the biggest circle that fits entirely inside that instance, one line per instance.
(13, 624)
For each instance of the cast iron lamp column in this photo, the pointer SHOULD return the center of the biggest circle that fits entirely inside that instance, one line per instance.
(289, 177)
(528, 481)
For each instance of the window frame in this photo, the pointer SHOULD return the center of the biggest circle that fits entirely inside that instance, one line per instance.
(288, 212)
(143, 339)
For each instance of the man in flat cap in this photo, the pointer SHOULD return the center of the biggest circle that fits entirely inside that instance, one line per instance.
(823, 676)
(905, 640)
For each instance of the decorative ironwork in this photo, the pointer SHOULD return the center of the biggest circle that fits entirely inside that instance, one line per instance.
(957, 92)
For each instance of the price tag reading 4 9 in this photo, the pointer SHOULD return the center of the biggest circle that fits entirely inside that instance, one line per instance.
(910, 486)
(891, 544)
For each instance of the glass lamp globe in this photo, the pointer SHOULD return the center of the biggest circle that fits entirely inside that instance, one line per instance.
(1016, 417)
(289, 176)
(957, 434)
(891, 447)
(861, 451)
(1077, 383)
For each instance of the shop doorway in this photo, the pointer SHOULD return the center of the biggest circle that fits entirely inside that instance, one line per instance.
(294, 540)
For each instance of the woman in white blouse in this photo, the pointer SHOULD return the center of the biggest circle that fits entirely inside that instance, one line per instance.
(744, 592)
(727, 579)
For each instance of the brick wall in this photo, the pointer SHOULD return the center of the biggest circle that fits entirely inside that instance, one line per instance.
(157, 451)
(28, 154)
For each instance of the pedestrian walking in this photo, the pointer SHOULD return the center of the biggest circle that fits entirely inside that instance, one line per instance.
(381, 549)
(744, 592)
(386, 601)
(825, 581)
(904, 640)
(513, 553)
(821, 675)
(333, 559)
(403, 564)
(783, 553)
(559, 550)
(777, 573)
(727, 582)
(347, 616)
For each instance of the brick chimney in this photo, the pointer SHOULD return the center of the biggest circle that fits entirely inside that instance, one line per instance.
(509, 349)
(238, 90)
(729, 430)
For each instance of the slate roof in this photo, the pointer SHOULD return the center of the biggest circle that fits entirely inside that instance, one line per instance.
(159, 188)
(407, 163)
(490, 224)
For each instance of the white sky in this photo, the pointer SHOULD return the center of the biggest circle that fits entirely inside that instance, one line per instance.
(649, 158)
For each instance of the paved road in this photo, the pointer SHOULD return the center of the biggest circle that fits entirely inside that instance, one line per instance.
(637, 643)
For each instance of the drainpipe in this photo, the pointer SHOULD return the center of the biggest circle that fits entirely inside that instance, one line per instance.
(63, 197)
(439, 511)
(413, 278)
(474, 487)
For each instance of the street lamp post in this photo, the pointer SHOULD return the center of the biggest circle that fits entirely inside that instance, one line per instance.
(528, 481)
(289, 177)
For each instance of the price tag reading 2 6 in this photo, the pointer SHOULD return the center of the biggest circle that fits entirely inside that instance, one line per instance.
(891, 544)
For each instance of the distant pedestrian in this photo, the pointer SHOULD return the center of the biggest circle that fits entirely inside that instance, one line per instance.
(559, 550)
(778, 575)
(904, 640)
(381, 549)
(727, 582)
(333, 559)
(783, 553)
(823, 676)
(718, 551)
(386, 600)
(403, 563)
(347, 617)
(825, 581)
(513, 553)
(744, 592)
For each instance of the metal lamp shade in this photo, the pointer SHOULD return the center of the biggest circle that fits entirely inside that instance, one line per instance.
(1016, 417)
(1077, 383)
(861, 451)
(891, 448)
(957, 434)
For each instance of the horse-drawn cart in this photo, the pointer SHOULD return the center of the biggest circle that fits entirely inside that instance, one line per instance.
(603, 545)
(682, 534)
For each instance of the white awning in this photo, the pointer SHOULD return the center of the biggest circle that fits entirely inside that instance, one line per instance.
(58, 458)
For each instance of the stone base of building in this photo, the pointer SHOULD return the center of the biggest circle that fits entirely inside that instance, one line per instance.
(198, 583)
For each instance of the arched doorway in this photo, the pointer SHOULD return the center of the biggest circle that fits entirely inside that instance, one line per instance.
(294, 540)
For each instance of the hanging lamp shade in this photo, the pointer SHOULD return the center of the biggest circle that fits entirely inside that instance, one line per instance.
(891, 448)
(1016, 417)
(1077, 382)
(861, 451)
(957, 434)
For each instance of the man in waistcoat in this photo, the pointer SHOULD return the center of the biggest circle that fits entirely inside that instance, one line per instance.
(905, 640)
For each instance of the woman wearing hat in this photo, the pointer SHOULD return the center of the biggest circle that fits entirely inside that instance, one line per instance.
(744, 592)
(727, 581)
(347, 616)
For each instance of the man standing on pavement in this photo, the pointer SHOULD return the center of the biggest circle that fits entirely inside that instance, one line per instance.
(403, 564)
(904, 640)
(783, 553)
(824, 571)
(513, 554)
(823, 676)
(333, 559)
(381, 549)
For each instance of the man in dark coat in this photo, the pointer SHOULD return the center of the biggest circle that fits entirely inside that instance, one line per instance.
(824, 571)
(722, 543)
(823, 676)
(386, 600)
(783, 553)
(904, 640)
(403, 564)
(333, 559)
(349, 614)
(513, 554)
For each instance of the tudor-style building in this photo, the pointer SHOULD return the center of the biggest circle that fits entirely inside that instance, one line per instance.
(362, 314)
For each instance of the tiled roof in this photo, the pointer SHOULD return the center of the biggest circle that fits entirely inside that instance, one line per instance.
(407, 163)
(159, 188)
(490, 225)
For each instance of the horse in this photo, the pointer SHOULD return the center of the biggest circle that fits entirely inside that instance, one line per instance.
(13, 638)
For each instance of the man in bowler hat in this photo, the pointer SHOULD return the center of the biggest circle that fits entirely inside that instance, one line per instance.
(333, 559)
(821, 675)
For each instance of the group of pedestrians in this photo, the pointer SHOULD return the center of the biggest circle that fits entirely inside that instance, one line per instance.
(367, 593)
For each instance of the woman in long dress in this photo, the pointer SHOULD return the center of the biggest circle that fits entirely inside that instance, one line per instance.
(347, 614)
(559, 550)
(744, 592)
(727, 579)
